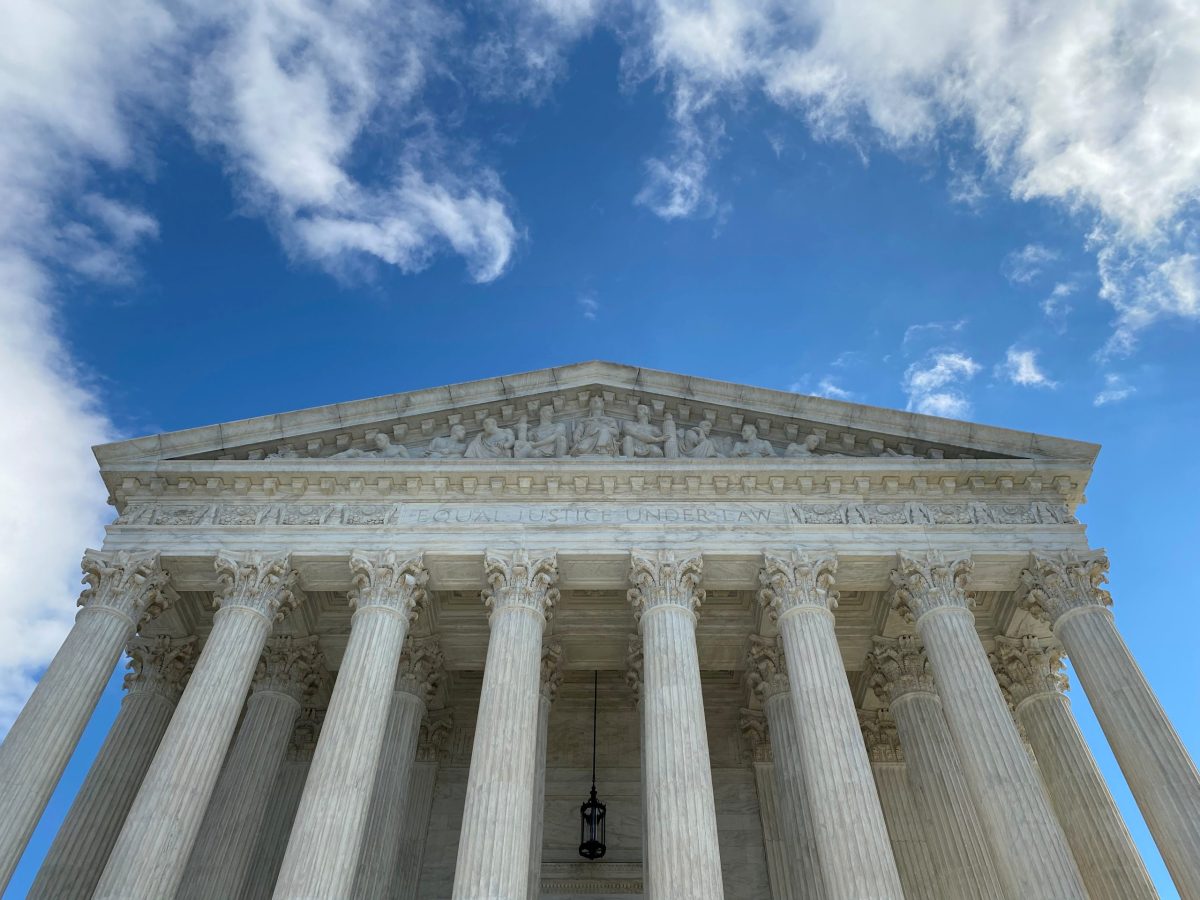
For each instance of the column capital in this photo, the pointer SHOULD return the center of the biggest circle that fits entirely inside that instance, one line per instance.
(517, 580)
(922, 584)
(435, 735)
(133, 585)
(160, 665)
(766, 668)
(305, 735)
(797, 580)
(421, 669)
(1056, 584)
(664, 578)
(292, 666)
(753, 724)
(635, 668)
(1028, 666)
(880, 735)
(898, 666)
(387, 580)
(552, 670)
(263, 584)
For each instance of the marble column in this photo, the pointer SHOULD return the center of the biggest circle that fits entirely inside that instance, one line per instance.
(684, 859)
(906, 830)
(635, 671)
(1066, 591)
(322, 853)
(899, 673)
(158, 669)
(493, 846)
(552, 676)
(767, 674)
(1029, 850)
(776, 845)
(122, 590)
(272, 839)
(419, 673)
(431, 749)
(291, 672)
(1030, 672)
(851, 837)
(149, 857)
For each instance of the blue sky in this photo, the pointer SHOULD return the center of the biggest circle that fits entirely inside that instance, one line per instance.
(214, 211)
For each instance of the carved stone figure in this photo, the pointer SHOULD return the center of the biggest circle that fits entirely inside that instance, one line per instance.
(452, 446)
(383, 449)
(751, 444)
(599, 435)
(546, 440)
(642, 438)
(698, 442)
(808, 447)
(285, 451)
(493, 442)
(670, 437)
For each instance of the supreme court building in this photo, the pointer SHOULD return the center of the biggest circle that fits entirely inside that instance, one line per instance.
(822, 644)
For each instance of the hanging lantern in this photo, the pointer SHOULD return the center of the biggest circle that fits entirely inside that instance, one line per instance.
(591, 812)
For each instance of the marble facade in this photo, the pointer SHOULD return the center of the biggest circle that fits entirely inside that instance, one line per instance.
(829, 641)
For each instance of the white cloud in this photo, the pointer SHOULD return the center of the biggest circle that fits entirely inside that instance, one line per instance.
(676, 187)
(1024, 265)
(1056, 308)
(1115, 390)
(931, 331)
(828, 387)
(1090, 106)
(1021, 368)
(589, 306)
(933, 385)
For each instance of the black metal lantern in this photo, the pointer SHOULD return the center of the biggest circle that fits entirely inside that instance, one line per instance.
(591, 812)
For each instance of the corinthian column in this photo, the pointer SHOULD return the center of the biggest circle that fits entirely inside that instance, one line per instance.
(900, 676)
(150, 855)
(635, 671)
(431, 748)
(681, 843)
(122, 590)
(290, 671)
(552, 676)
(417, 678)
(852, 840)
(1030, 674)
(493, 846)
(158, 670)
(322, 852)
(905, 825)
(778, 849)
(1066, 591)
(1031, 854)
(768, 677)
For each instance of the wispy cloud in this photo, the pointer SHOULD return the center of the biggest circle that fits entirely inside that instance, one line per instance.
(928, 331)
(1021, 368)
(828, 387)
(1057, 307)
(1024, 265)
(934, 384)
(1115, 390)
(589, 306)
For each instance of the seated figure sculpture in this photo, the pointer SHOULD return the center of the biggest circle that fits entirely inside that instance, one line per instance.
(751, 444)
(452, 446)
(599, 435)
(807, 447)
(491, 443)
(641, 438)
(383, 448)
(698, 442)
(546, 440)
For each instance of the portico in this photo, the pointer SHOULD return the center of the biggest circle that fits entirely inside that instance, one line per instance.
(792, 570)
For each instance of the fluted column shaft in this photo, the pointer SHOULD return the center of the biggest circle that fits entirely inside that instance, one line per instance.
(1030, 852)
(851, 837)
(775, 843)
(955, 835)
(122, 589)
(906, 831)
(149, 857)
(795, 814)
(681, 842)
(1161, 774)
(493, 862)
(225, 846)
(416, 827)
(389, 806)
(75, 860)
(551, 680)
(323, 848)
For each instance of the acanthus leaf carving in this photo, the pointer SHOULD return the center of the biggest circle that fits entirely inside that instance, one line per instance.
(292, 666)
(133, 585)
(754, 727)
(520, 580)
(766, 668)
(387, 580)
(1055, 584)
(1028, 666)
(160, 665)
(421, 668)
(880, 735)
(552, 670)
(664, 578)
(635, 666)
(797, 580)
(267, 585)
(897, 667)
(433, 742)
(922, 584)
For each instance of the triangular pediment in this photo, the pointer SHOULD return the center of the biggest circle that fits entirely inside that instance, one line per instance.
(591, 411)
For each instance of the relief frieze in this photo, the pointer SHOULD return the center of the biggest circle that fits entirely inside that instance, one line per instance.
(715, 514)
